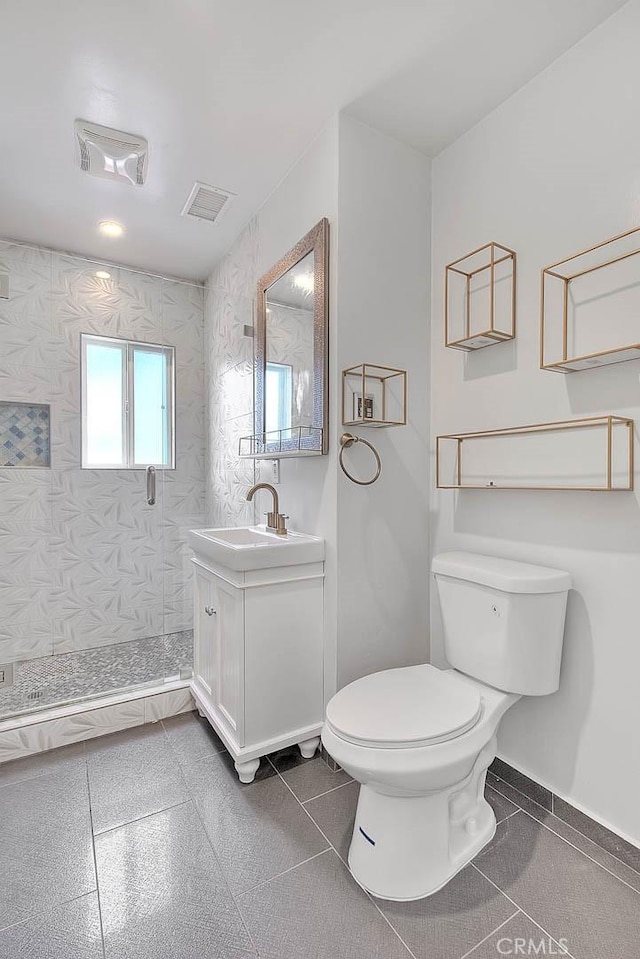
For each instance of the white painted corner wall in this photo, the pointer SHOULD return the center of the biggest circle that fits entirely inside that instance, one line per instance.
(383, 308)
(553, 170)
(375, 193)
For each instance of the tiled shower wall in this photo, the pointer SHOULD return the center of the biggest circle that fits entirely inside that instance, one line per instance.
(84, 561)
(229, 306)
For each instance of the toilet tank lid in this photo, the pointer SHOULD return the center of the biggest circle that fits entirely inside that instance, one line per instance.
(506, 575)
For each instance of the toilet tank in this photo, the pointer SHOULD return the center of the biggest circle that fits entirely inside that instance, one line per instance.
(503, 621)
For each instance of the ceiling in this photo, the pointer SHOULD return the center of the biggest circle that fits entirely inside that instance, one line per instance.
(464, 73)
(231, 92)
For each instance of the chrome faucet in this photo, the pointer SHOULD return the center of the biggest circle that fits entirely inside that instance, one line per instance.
(275, 519)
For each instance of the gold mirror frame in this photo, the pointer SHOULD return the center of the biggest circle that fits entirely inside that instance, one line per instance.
(316, 241)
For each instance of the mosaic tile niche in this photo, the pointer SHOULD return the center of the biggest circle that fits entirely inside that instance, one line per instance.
(25, 435)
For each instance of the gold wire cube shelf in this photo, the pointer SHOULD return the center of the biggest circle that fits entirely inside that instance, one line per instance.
(593, 453)
(374, 396)
(480, 298)
(573, 292)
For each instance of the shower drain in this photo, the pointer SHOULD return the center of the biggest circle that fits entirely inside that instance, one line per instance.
(6, 674)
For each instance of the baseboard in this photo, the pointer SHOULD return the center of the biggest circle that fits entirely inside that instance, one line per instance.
(37, 732)
(623, 848)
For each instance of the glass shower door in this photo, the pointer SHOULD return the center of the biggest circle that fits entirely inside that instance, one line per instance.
(90, 601)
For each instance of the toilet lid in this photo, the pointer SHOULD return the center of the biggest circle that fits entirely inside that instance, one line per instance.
(412, 706)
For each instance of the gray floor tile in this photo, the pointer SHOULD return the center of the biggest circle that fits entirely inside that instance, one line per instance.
(132, 774)
(502, 806)
(191, 737)
(46, 851)
(565, 831)
(522, 783)
(617, 846)
(451, 921)
(570, 896)
(593, 850)
(517, 798)
(257, 831)
(317, 911)
(518, 933)
(307, 778)
(335, 813)
(70, 931)
(65, 758)
(162, 893)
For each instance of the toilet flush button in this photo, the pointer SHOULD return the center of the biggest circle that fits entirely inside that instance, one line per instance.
(471, 826)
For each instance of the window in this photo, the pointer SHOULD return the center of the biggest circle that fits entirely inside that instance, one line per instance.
(127, 404)
(278, 391)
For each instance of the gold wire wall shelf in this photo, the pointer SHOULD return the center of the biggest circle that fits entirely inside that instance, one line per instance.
(589, 306)
(374, 396)
(480, 298)
(276, 444)
(594, 453)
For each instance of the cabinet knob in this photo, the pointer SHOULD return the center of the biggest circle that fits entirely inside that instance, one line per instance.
(209, 610)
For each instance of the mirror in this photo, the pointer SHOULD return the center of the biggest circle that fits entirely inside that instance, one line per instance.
(291, 409)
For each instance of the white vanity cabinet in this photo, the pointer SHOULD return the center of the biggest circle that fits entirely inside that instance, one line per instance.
(258, 657)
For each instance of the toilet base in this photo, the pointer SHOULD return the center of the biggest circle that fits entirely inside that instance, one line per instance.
(409, 847)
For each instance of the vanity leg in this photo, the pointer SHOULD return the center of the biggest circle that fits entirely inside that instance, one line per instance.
(200, 713)
(308, 747)
(246, 771)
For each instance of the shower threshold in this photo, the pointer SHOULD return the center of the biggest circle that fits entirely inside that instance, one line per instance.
(67, 678)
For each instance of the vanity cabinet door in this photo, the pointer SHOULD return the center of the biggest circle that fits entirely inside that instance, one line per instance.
(205, 640)
(228, 603)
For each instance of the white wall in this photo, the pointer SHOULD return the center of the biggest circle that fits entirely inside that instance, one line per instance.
(553, 170)
(383, 311)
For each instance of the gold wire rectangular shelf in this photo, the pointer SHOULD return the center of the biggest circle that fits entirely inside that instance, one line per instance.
(374, 395)
(571, 313)
(598, 457)
(480, 298)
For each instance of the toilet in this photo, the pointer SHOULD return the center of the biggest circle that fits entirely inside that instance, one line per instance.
(419, 739)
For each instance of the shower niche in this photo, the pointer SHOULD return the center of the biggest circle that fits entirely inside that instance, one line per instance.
(25, 435)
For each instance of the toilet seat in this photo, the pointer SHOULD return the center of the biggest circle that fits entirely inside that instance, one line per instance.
(406, 707)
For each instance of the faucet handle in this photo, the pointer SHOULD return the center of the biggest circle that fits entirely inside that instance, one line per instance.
(281, 526)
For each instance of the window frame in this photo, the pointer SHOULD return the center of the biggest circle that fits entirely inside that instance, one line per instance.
(127, 349)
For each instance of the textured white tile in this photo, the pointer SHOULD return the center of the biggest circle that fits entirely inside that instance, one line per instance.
(178, 617)
(26, 558)
(70, 729)
(84, 551)
(25, 497)
(24, 641)
(167, 704)
(24, 384)
(88, 627)
(29, 272)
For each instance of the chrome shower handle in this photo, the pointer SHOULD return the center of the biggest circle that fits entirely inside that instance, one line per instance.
(151, 485)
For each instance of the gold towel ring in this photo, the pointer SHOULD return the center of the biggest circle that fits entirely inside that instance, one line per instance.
(347, 440)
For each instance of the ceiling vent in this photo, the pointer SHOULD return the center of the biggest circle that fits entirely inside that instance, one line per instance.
(112, 154)
(207, 202)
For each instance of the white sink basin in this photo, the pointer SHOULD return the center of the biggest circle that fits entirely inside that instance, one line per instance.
(255, 547)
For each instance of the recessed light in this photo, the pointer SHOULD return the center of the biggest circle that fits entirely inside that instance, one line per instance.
(103, 275)
(110, 228)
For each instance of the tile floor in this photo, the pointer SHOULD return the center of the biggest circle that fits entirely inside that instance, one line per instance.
(144, 845)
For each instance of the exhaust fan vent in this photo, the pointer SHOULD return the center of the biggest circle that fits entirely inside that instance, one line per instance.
(206, 202)
(110, 153)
